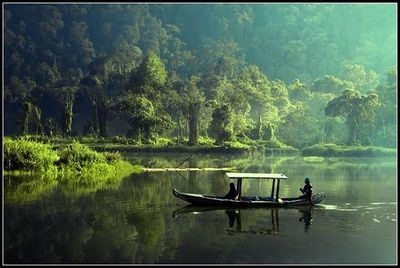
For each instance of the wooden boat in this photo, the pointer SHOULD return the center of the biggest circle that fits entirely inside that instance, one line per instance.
(250, 201)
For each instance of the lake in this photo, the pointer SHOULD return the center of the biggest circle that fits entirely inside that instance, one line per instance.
(137, 220)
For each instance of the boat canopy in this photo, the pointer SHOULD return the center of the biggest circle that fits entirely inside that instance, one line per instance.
(256, 176)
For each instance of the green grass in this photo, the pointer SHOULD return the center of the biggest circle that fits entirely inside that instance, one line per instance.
(75, 161)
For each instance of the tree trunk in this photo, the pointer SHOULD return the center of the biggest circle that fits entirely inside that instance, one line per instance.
(193, 130)
(32, 114)
(147, 133)
(95, 118)
(383, 128)
(49, 125)
(353, 133)
(179, 128)
(259, 128)
(68, 114)
(102, 120)
(269, 134)
(27, 112)
(37, 120)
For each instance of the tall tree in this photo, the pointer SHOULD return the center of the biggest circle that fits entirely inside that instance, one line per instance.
(386, 117)
(221, 127)
(358, 111)
(195, 101)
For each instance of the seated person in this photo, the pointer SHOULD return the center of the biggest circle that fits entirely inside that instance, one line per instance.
(232, 194)
(307, 189)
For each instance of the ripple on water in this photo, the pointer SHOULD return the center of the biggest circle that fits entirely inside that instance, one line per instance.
(383, 203)
(337, 208)
(376, 220)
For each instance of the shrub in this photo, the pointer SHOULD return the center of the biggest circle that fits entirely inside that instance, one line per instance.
(112, 157)
(75, 164)
(161, 141)
(22, 154)
(80, 164)
(275, 143)
(206, 141)
(355, 151)
(78, 156)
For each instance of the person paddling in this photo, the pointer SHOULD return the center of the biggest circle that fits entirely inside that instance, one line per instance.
(307, 190)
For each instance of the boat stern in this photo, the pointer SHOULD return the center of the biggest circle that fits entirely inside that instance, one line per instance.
(318, 197)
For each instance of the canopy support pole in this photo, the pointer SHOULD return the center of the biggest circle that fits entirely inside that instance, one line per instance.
(273, 188)
(277, 190)
(239, 187)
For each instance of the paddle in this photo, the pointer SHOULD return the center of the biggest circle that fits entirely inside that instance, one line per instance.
(198, 150)
(185, 161)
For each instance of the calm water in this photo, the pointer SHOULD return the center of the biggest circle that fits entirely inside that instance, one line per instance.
(138, 220)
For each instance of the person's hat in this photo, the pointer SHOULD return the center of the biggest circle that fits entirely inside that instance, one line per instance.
(306, 179)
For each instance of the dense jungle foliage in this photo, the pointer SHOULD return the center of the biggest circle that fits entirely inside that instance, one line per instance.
(297, 74)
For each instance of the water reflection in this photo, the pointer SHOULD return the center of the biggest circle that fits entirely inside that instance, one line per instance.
(233, 215)
(235, 220)
(306, 217)
(273, 229)
(27, 189)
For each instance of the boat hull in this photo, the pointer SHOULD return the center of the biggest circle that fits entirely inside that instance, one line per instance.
(206, 200)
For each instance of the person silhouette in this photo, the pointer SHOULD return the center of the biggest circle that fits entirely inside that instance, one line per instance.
(233, 193)
(307, 190)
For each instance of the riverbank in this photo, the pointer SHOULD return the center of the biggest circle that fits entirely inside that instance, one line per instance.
(324, 150)
(206, 145)
(164, 145)
(191, 149)
(32, 169)
(333, 150)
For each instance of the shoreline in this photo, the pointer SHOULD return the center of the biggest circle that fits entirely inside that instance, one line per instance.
(267, 148)
(327, 150)
(189, 149)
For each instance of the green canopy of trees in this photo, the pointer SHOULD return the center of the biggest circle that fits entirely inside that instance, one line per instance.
(297, 73)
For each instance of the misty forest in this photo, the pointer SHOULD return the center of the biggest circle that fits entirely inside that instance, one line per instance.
(288, 75)
(116, 116)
